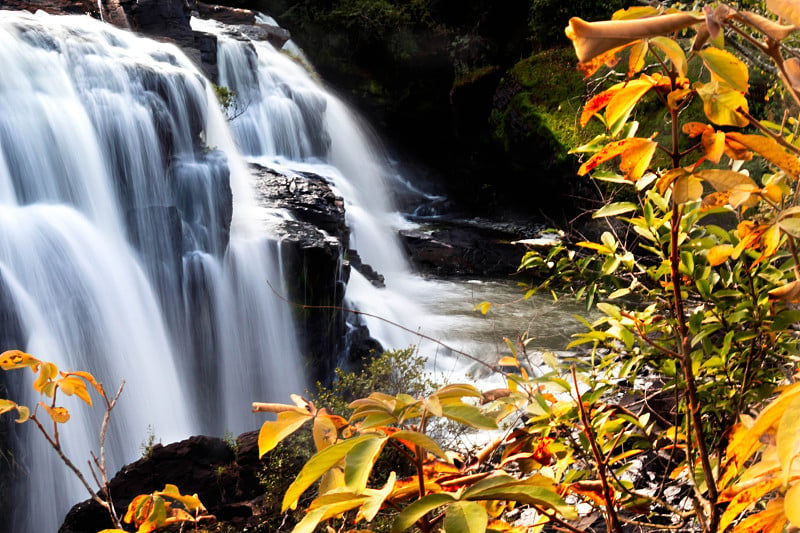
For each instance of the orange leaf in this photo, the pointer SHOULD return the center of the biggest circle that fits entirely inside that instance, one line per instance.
(592, 490)
(626, 98)
(609, 59)
(59, 415)
(598, 102)
(746, 498)
(715, 199)
(13, 359)
(770, 520)
(713, 144)
(736, 150)
(789, 293)
(770, 150)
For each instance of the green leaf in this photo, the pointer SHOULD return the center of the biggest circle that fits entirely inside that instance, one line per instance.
(468, 415)
(673, 51)
(273, 432)
(465, 517)
(409, 516)
(359, 462)
(317, 466)
(725, 67)
(614, 209)
(421, 440)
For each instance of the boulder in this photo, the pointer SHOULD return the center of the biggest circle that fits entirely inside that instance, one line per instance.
(54, 7)
(224, 475)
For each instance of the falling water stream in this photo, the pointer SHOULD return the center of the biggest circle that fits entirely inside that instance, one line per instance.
(116, 171)
(131, 246)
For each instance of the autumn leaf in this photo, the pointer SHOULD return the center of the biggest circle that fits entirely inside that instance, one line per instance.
(766, 26)
(713, 143)
(720, 103)
(637, 57)
(719, 254)
(635, 153)
(591, 39)
(770, 520)
(59, 415)
(726, 68)
(786, 9)
(687, 188)
(273, 432)
(770, 150)
(673, 51)
(626, 98)
(13, 359)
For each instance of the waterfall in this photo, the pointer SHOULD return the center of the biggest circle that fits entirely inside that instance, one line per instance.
(130, 247)
(287, 121)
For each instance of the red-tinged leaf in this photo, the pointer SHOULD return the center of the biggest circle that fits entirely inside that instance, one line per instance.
(592, 490)
(767, 26)
(726, 68)
(746, 498)
(770, 150)
(138, 509)
(721, 102)
(13, 359)
(609, 59)
(770, 520)
(625, 99)
(598, 102)
(719, 254)
(635, 153)
(736, 150)
(591, 39)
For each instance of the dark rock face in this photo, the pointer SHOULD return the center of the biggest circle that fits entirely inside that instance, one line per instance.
(55, 7)
(225, 478)
(467, 247)
(313, 250)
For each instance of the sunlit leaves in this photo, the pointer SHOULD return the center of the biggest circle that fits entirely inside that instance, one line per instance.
(149, 512)
(23, 413)
(635, 154)
(465, 517)
(13, 359)
(786, 9)
(273, 432)
(725, 68)
(673, 51)
(770, 150)
(591, 39)
(59, 415)
(721, 102)
(719, 254)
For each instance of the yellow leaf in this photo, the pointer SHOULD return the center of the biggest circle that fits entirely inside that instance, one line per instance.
(598, 102)
(483, 307)
(726, 68)
(594, 246)
(673, 51)
(626, 98)
(714, 200)
(591, 39)
(273, 432)
(508, 361)
(676, 97)
(637, 57)
(789, 292)
(787, 439)
(746, 195)
(635, 12)
(13, 359)
(687, 189)
(324, 432)
(72, 385)
(770, 520)
(773, 193)
(713, 145)
(719, 254)
(770, 150)
(635, 160)
(746, 498)
(44, 382)
(720, 103)
(90, 378)
(60, 415)
(745, 440)
(791, 504)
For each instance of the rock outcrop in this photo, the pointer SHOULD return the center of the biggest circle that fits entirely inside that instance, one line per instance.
(225, 476)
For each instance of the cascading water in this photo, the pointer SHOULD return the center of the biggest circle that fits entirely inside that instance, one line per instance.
(118, 254)
(288, 122)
